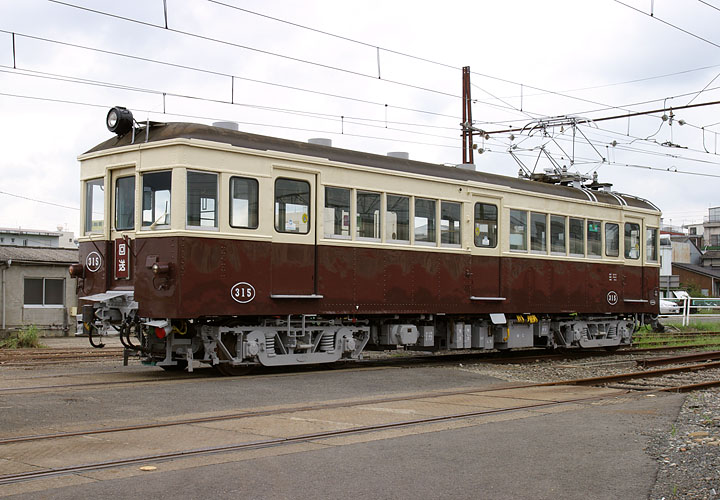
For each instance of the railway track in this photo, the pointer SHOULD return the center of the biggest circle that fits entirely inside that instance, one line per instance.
(664, 380)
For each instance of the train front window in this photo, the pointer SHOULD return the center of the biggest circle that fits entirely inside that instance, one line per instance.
(397, 219)
(651, 244)
(243, 203)
(202, 195)
(94, 206)
(125, 203)
(337, 212)
(538, 232)
(485, 225)
(424, 221)
(450, 223)
(292, 206)
(557, 234)
(518, 230)
(632, 241)
(368, 215)
(156, 199)
(576, 237)
(594, 238)
(612, 240)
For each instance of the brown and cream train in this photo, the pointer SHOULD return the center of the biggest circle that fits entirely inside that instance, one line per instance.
(202, 243)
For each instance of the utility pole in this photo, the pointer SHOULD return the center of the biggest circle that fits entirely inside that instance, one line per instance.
(467, 134)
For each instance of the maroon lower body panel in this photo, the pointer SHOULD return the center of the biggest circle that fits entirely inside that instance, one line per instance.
(215, 277)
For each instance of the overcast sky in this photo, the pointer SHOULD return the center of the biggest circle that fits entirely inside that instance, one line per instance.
(530, 59)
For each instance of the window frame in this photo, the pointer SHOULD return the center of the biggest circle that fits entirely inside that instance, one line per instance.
(426, 242)
(533, 239)
(582, 233)
(98, 181)
(349, 210)
(449, 232)
(564, 251)
(232, 199)
(607, 225)
(216, 199)
(656, 247)
(117, 199)
(44, 304)
(525, 231)
(379, 227)
(477, 222)
(168, 215)
(309, 206)
(627, 241)
(409, 200)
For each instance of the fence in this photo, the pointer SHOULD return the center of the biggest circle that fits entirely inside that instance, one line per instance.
(690, 307)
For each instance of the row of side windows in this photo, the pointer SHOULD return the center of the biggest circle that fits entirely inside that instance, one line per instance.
(533, 231)
(577, 237)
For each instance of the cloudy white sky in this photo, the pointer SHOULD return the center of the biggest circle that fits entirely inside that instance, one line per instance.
(530, 59)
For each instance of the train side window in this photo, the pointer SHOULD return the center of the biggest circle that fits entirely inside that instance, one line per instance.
(125, 203)
(518, 230)
(594, 238)
(577, 237)
(450, 223)
(156, 199)
(243, 203)
(424, 224)
(612, 240)
(202, 193)
(292, 206)
(632, 241)
(557, 234)
(94, 206)
(651, 244)
(485, 225)
(538, 232)
(337, 212)
(368, 215)
(397, 219)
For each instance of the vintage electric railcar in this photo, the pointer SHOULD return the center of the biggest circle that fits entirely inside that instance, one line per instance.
(208, 244)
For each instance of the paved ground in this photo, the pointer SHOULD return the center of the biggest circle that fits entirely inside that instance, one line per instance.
(590, 450)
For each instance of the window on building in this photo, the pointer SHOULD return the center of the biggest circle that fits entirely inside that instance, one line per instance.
(612, 240)
(243, 203)
(337, 212)
(518, 230)
(94, 206)
(202, 193)
(557, 234)
(651, 244)
(397, 219)
(125, 203)
(44, 292)
(576, 234)
(450, 223)
(538, 232)
(368, 215)
(292, 206)
(156, 199)
(424, 221)
(632, 241)
(486, 225)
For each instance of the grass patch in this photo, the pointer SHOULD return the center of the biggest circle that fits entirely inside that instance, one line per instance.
(25, 338)
(646, 339)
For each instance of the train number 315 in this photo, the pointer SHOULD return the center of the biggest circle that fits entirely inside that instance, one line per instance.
(242, 292)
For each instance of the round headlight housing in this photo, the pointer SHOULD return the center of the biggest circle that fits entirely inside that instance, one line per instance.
(119, 120)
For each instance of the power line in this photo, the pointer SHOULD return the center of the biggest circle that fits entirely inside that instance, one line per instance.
(226, 75)
(254, 49)
(335, 118)
(669, 24)
(198, 117)
(38, 201)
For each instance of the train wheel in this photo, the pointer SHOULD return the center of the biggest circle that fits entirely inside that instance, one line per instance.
(226, 369)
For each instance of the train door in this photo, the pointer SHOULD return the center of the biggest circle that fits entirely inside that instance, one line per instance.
(485, 266)
(633, 282)
(122, 226)
(294, 246)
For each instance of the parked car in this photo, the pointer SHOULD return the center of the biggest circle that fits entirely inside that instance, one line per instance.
(669, 307)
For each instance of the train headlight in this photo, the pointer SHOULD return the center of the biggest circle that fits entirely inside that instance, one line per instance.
(76, 270)
(119, 120)
(160, 268)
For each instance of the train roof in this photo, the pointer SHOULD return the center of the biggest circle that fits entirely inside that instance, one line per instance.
(179, 130)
